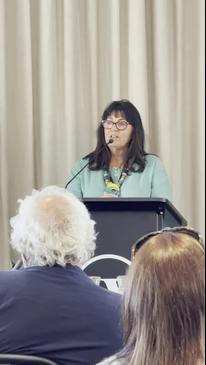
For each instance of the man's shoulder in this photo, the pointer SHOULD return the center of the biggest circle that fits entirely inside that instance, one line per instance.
(7, 274)
(107, 295)
(110, 294)
(8, 280)
(111, 361)
(11, 275)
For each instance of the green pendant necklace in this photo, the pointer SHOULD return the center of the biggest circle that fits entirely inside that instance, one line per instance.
(110, 186)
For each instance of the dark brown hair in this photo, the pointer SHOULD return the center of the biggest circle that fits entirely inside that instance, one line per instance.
(164, 302)
(135, 160)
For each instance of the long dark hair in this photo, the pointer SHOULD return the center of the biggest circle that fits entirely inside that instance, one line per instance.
(164, 303)
(135, 159)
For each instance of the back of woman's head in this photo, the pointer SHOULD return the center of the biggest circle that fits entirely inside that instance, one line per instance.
(164, 302)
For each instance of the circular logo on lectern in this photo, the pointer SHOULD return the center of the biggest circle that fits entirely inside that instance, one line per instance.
(108, 270)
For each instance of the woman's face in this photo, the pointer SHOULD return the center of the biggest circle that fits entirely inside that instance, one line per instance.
(120, 137)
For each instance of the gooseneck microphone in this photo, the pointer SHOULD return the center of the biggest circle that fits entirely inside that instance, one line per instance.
(78, 172)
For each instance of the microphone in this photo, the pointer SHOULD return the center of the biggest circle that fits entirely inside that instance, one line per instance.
(78, 172)
(110, 141)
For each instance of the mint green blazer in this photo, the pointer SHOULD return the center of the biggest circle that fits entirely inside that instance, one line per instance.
(152, 182)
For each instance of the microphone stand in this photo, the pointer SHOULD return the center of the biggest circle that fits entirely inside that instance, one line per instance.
(78, 172)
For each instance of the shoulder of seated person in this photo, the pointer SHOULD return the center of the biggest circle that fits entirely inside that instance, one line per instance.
(113, 361)
(150, 158)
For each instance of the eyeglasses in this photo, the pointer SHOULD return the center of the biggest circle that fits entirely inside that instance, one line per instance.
(185, 230)
(120, 124)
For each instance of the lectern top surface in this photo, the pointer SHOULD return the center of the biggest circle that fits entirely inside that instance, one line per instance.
(159, 205)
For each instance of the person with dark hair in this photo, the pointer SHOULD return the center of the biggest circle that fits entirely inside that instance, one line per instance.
(163, 302)
(119, 166)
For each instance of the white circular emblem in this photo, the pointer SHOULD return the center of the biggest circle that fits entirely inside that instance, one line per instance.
(104, 257)
(114, 284)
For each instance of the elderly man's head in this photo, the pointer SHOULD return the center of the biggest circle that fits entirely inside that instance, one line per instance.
(53, 227)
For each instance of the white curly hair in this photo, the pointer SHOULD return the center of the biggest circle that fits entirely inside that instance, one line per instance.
(53, 227)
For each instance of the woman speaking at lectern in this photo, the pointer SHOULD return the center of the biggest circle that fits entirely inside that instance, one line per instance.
(119, 165)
